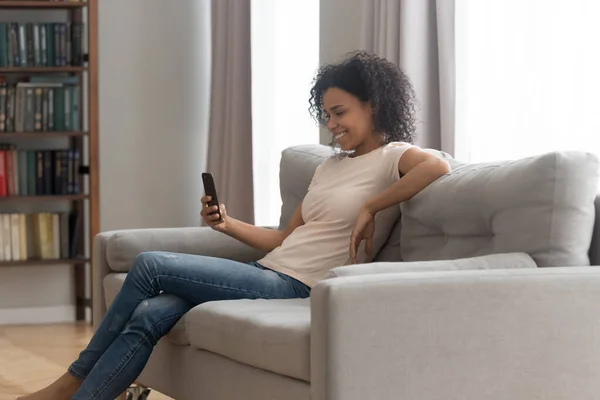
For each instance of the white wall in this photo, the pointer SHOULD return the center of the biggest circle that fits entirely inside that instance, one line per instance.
(154, 66)
(154, 92)
(339, 34)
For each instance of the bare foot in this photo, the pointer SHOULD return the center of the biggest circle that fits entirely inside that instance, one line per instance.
(62, 389)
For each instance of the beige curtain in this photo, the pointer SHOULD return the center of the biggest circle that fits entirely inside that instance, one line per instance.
(230, 132)
(418, 35)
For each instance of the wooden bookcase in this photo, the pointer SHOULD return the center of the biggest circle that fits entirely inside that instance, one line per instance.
(77, 197)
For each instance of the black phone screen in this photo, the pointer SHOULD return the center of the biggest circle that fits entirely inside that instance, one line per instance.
(211, 190)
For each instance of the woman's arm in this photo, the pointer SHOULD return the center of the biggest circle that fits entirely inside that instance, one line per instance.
(262, 238)
(420, 169)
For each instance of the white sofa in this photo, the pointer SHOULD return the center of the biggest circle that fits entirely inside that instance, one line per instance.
(483, 290)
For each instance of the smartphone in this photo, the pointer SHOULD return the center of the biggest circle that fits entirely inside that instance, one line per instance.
(210, 190)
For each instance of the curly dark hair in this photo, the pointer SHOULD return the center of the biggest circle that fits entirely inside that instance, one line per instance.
(376, 80)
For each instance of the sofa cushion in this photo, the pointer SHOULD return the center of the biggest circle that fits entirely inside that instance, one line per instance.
(270, 334)
(542, 205)
(297, 167)
(391, 251)
(491, 261)
(112, 285)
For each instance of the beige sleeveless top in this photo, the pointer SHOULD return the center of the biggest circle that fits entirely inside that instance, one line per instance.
(339, 188)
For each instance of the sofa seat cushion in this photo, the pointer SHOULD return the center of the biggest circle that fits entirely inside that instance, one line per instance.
(112, 285)
(273, 335)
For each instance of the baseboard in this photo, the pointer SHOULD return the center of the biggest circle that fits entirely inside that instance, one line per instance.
(37, 315)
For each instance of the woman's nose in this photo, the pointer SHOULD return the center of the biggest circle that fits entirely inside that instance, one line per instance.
(331, 124)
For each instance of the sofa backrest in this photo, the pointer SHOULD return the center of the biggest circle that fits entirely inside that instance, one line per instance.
(296, 169)
(542, 205)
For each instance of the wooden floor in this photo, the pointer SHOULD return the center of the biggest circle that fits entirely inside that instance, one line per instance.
(32, 357)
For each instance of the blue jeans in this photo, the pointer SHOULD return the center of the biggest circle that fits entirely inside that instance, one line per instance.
(158, 290)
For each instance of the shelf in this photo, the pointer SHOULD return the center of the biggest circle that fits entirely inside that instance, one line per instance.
(41, 70)
(39, 134)
(41, 4)
(4, 199)
(35, 262)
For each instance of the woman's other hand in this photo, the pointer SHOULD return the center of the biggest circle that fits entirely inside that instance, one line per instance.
(363, 230)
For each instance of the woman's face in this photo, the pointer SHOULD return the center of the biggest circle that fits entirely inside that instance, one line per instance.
(349, 120)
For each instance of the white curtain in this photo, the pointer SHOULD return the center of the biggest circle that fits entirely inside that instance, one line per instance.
(528, 77)
(230, 132)
(418, 35)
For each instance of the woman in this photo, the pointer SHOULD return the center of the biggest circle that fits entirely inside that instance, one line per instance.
(366, 103)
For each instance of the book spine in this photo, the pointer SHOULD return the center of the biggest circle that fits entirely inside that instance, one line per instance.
(23, 233)
(75, 109)
(63, 44)
(50, 47)
(51, 117)
(58, 164)
(29, 110)
(3, 188)
(39, 177)
(4, 44)
(15, 239)
(44, 45)
(47, 174)
(37, 126)
(2, 258)
(67, 117)
(55, 235)
(45, 126)
(64, 235)
(30, 45)
(68, 43)
(36, 45)
(15, 162)
(43, 236)
(10, 182)
(17, 109)
(6, 237)
(10, 109)
(31, 173)
(22, 45)
(65, 172)
(14, 44)
(23, 174)
(3, 101)
(49, 240)
(57, 46)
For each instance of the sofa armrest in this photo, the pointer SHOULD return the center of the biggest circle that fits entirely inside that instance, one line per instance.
(114, 251)
(496, 334)
(491, 261)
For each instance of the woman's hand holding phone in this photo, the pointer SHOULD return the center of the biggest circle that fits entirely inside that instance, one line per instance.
(211, 217)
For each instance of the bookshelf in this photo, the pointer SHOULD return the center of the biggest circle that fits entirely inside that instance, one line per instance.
(49, 209)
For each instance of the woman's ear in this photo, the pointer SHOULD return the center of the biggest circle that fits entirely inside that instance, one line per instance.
(366, 105)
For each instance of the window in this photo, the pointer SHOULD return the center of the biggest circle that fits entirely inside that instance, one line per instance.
(285, 57)
(528, 77)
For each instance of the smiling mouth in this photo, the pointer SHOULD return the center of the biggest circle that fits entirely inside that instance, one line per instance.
(340, 135)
